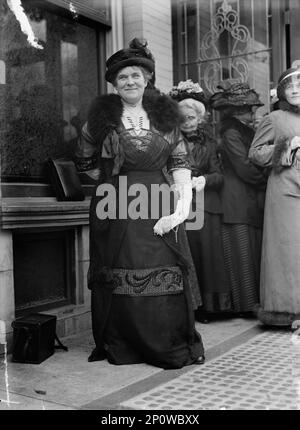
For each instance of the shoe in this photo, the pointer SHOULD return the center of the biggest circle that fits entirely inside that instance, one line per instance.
(203, 320)
(96, 355)
(201, 317)
(200, 360)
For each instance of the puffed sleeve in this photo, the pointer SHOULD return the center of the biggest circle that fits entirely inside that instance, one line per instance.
(238, 156)
(179, 157)
(86, 155)
(262, 147)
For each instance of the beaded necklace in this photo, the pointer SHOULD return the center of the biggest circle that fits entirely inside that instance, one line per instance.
(136, 124)
(135, 117)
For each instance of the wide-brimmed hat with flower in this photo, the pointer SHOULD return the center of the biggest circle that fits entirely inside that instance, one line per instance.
(188, 90)
(234, 95)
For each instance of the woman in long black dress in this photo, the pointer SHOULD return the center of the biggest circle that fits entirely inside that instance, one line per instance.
(205, 243)
(142, 303)
(242, 193)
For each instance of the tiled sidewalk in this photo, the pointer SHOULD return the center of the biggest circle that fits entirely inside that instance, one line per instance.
(67, 381)
(262, 373)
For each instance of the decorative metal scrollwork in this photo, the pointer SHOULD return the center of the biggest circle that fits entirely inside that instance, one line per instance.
(225, 19)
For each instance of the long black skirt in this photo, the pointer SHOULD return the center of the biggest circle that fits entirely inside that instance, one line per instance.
(207, 251)
(153, 330)
(242, 251)
(143, 311)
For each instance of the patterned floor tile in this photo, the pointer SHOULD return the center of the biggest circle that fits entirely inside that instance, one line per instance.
(263, 373)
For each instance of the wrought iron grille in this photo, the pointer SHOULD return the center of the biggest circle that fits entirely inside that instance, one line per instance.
(219, 40)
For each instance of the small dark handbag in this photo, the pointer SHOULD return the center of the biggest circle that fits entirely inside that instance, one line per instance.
(34, 338)
(65, 180)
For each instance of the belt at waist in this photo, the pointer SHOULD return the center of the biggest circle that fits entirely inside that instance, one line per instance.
(148, 176)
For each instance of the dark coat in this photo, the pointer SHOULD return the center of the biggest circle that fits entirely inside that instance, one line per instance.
(204, 161)
(244, 183)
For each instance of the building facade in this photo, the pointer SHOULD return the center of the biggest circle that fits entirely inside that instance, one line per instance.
(52, 64)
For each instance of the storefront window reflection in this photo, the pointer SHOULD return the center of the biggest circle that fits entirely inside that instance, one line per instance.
(45, 92)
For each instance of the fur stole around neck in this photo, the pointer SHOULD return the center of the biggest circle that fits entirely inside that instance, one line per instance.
(106, 111)
(284, 105)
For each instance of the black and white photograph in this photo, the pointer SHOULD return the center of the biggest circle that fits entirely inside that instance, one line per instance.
(149, 208)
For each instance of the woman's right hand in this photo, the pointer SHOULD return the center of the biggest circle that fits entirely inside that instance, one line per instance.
(295, 142)
(198, 182)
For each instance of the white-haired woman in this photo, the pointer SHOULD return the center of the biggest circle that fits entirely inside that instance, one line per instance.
(206, 243)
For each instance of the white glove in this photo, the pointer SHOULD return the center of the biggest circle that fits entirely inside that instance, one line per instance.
(295, 142)
(183, 185)
(198, 182)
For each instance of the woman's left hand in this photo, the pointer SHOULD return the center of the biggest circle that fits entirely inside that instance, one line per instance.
(295, 142)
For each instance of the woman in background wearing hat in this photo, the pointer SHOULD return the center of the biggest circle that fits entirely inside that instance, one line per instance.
(142, 304)
(242, 193)
(276, 145)
(206, 243)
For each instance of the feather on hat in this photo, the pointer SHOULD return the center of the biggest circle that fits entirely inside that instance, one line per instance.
(234, 95)
(136, 55)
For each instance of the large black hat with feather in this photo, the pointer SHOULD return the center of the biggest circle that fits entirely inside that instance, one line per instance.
(232, 95)
(136, 55)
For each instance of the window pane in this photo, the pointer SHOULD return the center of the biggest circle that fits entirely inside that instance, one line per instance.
(259, 65)
(260, 17)
(47, 91)
(192, 34)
